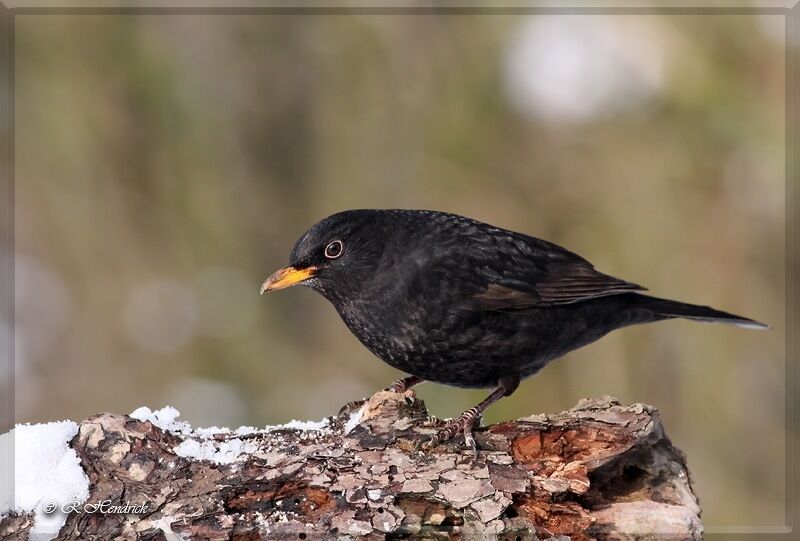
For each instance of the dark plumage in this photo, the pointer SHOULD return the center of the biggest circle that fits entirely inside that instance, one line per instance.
(456, 301)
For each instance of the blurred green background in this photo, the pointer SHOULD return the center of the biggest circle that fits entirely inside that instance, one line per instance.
(166, 164)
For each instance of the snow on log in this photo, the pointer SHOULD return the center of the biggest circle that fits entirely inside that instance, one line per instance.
(598, 471)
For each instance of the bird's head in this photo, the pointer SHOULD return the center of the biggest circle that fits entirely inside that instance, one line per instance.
(337, 256)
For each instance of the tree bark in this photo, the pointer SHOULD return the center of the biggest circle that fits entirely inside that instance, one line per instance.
(598, 471)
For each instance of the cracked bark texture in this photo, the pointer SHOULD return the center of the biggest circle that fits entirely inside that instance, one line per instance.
(598, 471)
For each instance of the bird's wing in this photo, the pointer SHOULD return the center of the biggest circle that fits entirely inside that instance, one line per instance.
(529, 273)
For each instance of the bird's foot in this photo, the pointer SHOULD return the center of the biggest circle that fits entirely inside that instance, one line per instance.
(399, 386)
(351, 407)
(464, 424)
(431, 421)
(403, 384)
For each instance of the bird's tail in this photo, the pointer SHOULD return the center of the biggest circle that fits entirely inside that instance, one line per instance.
(668, 309)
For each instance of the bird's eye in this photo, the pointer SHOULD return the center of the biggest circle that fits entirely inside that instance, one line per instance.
(334, 249)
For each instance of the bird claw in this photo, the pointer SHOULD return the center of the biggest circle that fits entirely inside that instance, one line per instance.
(469, 439)
(444, 434)
(424, 442)
(350, 407)
(464, 424)
(400, 386)
(432, 421)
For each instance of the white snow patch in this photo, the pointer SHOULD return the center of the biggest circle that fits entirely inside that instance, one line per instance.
(245, 430)
(301, 425)
(163, 419)
(199, 443)
(46, 471)
(353, 421)
(221, 452)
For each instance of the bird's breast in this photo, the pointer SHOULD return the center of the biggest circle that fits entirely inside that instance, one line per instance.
(387, 329)
(412, 336)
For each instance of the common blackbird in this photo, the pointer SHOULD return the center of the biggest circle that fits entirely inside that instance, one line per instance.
(451, 300)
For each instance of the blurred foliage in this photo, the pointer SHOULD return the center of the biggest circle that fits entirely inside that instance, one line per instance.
(166, 164)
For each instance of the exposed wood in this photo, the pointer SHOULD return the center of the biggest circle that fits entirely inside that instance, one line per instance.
(598, 471)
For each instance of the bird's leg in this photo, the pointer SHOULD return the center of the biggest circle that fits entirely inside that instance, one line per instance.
(399, 386)
(431, 420)
(403, 384)
(469, 437)
(467, 421)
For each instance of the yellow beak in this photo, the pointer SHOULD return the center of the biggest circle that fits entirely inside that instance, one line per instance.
(287, 277)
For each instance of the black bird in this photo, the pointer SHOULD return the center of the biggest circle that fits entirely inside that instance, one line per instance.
(449, 299)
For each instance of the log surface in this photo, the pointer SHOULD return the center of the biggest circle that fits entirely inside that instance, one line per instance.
(598, 471)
